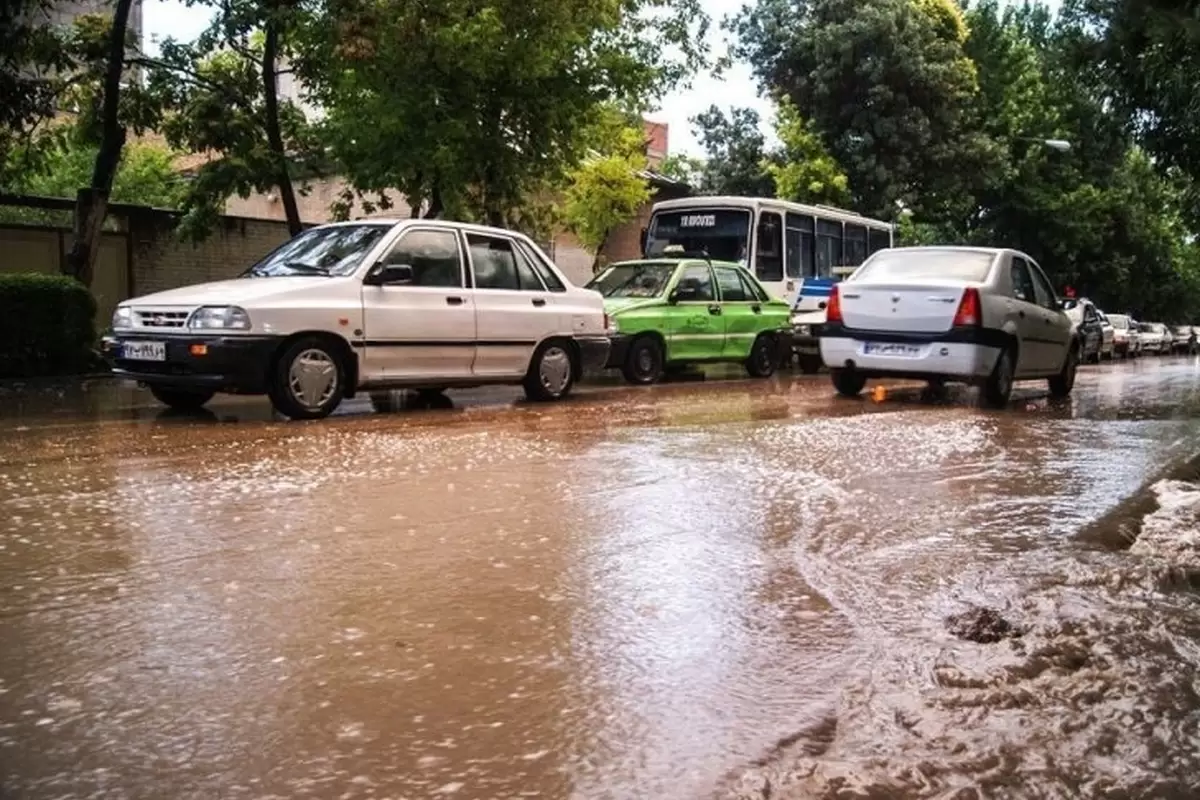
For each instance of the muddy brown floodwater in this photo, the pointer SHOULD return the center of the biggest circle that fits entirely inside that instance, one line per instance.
(748, 589)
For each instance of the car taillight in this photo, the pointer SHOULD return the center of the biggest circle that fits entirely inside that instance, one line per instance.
(833, 308)
(968, 309)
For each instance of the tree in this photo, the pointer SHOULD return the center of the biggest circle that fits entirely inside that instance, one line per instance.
(146, 175)
(220, 95)
(883, 83)
(737, 152)
(473, 107)
(607, 189)
(803, 170)
(92, 205)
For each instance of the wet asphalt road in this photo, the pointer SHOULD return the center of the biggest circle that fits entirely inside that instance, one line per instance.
(737, 588)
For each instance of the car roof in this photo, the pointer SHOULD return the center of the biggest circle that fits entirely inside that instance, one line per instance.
(992, 251)
(677, 262)
(447, 223)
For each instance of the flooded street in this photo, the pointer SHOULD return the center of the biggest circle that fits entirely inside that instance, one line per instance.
(737, 589)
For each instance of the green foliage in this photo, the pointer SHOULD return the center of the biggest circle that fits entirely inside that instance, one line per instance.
(884, 83)
(47, 327)
(146, 175)
(472, 108)
(682, 168)
(607, 189)
(803, 170)
(737, 153)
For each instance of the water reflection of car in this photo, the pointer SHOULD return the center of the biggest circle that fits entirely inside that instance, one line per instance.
(1125, 339)
(980, 316)
(367, 306)
(1183, 339)
(1155, 337)
(1089, 326)
(667, 313)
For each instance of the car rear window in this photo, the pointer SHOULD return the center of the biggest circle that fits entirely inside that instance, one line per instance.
(903, 264)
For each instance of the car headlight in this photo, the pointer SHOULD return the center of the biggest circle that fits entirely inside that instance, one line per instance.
(122, 318)
(229, 318)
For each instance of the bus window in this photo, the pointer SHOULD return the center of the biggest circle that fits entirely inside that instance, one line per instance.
(801, 259)
(722, 233)
(880, 240)
(768, 255)
(829, 246)
(856, 245)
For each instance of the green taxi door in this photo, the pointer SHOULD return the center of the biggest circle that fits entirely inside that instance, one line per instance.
(695, 327)
(742, 311)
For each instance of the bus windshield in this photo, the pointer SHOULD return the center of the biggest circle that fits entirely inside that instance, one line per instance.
(721, 233)
(647, 279)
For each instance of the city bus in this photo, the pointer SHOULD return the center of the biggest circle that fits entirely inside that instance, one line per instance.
(796, 250)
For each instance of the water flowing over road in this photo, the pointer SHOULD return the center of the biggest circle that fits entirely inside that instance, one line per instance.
(735, 589)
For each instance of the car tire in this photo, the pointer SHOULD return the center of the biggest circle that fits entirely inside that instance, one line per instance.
(997, 389)
(551, 372)
(810, 364)
(848, 383)
(1062, 383)
(644, 361)
(764, 357)
(308, 381)
(181, 399)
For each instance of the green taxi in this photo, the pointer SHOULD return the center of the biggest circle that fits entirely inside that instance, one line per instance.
(667, 313)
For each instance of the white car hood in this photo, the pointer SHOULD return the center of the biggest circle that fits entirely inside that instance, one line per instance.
(240, 291)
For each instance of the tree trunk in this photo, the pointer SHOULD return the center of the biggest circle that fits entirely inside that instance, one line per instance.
(436, 206)
(287, 193)
(596, 265)
(91, 204)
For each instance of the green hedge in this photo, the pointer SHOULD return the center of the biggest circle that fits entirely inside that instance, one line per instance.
(46, 325)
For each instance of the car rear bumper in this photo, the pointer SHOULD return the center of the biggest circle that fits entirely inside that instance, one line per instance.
(233, 364)
(967, 355)
(593, 352)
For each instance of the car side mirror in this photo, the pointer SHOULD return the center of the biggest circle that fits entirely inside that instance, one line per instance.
(391, 275)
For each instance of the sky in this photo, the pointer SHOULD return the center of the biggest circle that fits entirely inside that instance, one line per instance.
(171, 18)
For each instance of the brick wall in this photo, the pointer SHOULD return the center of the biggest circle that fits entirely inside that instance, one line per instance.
(161, 261)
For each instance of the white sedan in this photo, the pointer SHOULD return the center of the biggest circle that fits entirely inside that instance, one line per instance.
(981, 316)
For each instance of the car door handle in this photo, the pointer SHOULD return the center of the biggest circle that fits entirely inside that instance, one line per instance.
(1021, 314)
(756, 308)
(539, 302)
(714, 309)
(454, 301)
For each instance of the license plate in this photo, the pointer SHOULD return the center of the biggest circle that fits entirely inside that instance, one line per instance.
(891, 349)
(144, 351)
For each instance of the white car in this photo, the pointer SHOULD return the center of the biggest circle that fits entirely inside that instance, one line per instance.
(973, 315)
(1125, 339)
(362, 306)
(1155, 338)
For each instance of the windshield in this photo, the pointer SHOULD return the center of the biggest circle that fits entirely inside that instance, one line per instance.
(330, 250)
(633, 280)
(722, 233)
(1119, 321)
(959, 265)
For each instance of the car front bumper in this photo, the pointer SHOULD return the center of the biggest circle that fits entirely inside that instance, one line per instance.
(232, 364)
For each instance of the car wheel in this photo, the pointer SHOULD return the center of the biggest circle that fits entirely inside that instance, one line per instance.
(551, 372)
(810, 364)
(1062, 383)
(181, 399)
(764, 357)
(644, 362)
(847, 382)
(998, 388)
(308, 381)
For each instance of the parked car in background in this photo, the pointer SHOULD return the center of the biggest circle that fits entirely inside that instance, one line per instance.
(366, 306)
(1137, 339)
(1125, 340)
(1108, 337)
(1183, 339)
(980, 316)
(1155, 338)
(666, 313)
(1085, 319)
